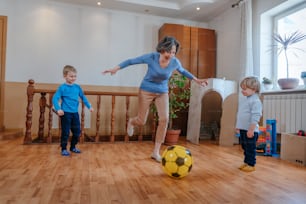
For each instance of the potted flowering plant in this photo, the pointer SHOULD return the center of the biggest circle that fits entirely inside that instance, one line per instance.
(267, 83)
(179, 94)
(303, 76)
(266, 80)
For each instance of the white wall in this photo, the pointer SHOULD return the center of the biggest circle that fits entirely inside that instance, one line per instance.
(43, 36)
(227, 27)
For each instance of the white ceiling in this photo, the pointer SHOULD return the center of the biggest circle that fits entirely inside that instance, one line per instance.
(182, 9)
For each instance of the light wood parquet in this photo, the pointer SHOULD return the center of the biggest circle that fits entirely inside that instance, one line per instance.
(124, 173)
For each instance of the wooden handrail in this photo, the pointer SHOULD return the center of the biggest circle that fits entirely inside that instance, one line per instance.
(47, 103)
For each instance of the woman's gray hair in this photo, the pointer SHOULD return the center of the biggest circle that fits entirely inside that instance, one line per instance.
(165, 45)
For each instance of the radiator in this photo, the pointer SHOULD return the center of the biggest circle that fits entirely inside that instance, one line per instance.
(289, 109)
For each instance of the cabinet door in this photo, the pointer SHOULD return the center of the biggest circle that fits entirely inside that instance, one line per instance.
(194, 50)
(182, 34)
(203, 52)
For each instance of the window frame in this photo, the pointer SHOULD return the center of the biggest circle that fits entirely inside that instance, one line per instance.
(277, 17)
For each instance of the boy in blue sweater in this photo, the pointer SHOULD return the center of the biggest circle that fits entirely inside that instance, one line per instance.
(66, 102)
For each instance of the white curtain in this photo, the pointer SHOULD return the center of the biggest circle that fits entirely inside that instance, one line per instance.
(246, 47)
(246, 43)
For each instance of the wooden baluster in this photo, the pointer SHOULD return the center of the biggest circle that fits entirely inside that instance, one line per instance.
(112, 137)
(50, 122)
(41, 123)
(30, 94)
(127, 101)
(140, 136)
(43, 103)
(98, 118)
(82, 124)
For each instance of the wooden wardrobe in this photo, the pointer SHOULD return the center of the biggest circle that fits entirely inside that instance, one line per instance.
(197, 54)
(198, 48)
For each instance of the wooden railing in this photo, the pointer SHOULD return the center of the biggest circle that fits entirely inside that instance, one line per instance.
(45, 103)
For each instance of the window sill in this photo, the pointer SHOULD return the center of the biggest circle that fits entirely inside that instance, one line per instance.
(299, 89)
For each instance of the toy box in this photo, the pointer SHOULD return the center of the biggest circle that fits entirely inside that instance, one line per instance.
(261, 141)
(293, 148)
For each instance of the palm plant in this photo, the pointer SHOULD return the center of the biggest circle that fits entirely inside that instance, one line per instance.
(286, 42)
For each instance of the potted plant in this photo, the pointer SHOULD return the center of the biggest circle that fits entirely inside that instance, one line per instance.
(267, 83)
(179, 94)
(286, 42)
(303, 76)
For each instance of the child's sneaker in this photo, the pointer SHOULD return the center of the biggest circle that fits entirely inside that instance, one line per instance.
(156, 157)
(242, 166)
(248, 168)
(75, 150)
(65, 153)
(130, 129)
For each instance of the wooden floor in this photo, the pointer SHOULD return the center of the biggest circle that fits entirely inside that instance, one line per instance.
(124, 173)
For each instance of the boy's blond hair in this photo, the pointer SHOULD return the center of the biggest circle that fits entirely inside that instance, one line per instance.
(69, 68)
(251, 83)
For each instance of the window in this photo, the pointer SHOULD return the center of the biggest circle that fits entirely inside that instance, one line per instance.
(286, 23)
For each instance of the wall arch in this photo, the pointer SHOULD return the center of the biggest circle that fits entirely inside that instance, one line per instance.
(223, 87)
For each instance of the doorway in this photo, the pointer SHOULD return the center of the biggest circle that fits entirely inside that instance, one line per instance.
(211, 116)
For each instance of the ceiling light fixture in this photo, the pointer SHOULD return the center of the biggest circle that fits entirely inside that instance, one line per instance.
(198, 8)
(99, 3)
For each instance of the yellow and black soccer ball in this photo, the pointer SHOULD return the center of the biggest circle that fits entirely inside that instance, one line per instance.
(177, 161)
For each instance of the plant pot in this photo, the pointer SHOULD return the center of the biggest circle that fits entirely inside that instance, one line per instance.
(303, 76)
(304, 80)
(288, 83)
(268, 86)
(172, 137)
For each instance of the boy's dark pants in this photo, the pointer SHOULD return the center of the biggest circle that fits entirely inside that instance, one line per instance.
(249, 147)
(70, 121)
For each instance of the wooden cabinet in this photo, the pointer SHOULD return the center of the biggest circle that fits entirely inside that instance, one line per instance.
(197, 54)
(198, 48)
